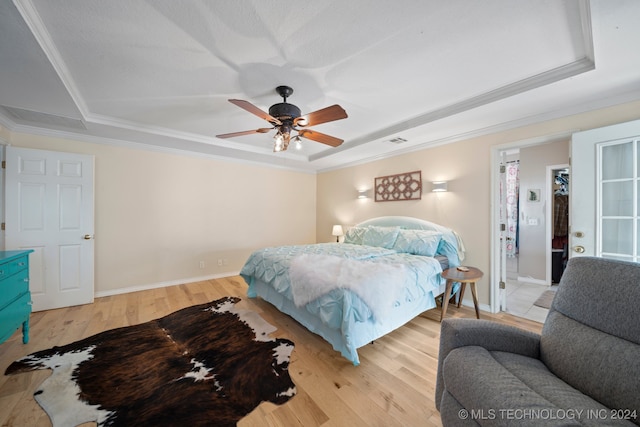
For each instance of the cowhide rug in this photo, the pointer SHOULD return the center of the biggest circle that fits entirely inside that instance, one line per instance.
(209, 364)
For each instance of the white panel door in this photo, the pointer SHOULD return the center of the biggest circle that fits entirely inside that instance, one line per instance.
(604, 187)
(49, 208)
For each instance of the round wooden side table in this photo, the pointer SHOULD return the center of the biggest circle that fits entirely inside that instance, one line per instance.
(454, 275)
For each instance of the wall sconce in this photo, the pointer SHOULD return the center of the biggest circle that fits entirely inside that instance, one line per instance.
(362, 194)
(439, 186)
(337, 231)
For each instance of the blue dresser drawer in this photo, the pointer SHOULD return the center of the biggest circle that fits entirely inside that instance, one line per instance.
(14, 316)
(13, 266)
(15, 298)
(13, 286)
(19, 264)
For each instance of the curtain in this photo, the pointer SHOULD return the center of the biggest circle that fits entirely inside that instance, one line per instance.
(511, 194)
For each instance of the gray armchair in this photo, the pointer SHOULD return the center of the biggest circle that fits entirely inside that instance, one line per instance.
(583, 369)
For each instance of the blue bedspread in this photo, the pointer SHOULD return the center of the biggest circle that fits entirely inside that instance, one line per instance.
(341, 309)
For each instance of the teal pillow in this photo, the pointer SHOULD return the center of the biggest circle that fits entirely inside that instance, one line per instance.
(418, 242)
(450, 251)
(384, 237)
(354, 235)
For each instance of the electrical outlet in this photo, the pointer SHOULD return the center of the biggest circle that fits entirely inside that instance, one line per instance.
(201, 264)
(220, 261)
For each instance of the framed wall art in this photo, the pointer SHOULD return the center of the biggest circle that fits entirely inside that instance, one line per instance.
(402, 186)
(533, 195)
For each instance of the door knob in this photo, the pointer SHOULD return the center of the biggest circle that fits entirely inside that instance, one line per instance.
(579, 249)
(87, 237)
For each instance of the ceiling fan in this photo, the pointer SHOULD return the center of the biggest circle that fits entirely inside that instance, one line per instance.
(287, 118)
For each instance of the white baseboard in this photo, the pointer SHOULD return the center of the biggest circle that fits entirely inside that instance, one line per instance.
(162, 284)
(481, 307)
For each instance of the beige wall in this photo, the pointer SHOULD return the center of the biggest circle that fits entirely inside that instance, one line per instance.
(4, 134)
(533, 175)
(157, 215)
(466, 207)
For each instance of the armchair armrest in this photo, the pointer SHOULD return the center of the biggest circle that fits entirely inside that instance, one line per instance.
(493, 336)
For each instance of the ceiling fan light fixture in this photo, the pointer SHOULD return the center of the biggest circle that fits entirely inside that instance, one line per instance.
(278, 142)
(287, 117)
(281, 139)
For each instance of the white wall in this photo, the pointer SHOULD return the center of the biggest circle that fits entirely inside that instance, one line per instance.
(157, 215)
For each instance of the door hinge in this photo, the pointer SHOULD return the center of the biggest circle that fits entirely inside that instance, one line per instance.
(503, 168)
(4, 164)
(503, 285)
(503, 227)
(2, 227)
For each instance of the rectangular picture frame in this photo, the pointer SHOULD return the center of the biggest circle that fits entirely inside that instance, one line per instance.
(533, 195)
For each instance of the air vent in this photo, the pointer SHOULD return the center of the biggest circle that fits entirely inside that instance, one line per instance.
(37, 118)
(397, 140)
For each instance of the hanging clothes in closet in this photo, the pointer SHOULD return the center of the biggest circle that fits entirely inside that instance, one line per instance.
(560, 240)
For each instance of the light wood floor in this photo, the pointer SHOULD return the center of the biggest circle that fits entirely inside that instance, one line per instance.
(393, 386)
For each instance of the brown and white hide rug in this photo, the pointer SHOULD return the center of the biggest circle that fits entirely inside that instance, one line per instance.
(209, 364)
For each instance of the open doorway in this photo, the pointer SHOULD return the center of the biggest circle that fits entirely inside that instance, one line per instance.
(558, 226)
(526, 224)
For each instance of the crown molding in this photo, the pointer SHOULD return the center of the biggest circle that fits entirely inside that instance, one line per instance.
(551, 76)
(29, 13)
(502, 127)
(51, 133)
(244, 152)
(166, 132)
(571, 69)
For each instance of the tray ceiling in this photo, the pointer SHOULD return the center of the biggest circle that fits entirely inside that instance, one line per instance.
(160, 73)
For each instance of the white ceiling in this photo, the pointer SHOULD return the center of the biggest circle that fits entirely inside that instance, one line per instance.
(160, 72)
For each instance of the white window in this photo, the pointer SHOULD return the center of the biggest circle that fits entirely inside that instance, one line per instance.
(618, 199)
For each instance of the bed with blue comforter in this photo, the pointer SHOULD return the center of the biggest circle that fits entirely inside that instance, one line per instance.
(385, 273)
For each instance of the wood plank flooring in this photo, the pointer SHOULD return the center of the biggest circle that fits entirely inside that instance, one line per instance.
(393, 386)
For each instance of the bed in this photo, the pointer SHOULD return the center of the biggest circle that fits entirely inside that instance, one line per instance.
(385, 273)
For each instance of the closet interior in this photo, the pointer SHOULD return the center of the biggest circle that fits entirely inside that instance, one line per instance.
(560, 226)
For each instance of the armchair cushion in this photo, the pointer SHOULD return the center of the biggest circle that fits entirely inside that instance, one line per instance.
(584, 369)
(499, 382)
(493, 336)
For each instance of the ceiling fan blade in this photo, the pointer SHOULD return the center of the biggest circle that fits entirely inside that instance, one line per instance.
(246, 132)
(328, 114)
(246, 105)
(320, 137)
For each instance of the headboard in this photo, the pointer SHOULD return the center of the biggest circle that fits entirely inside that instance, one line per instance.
(411, 223)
